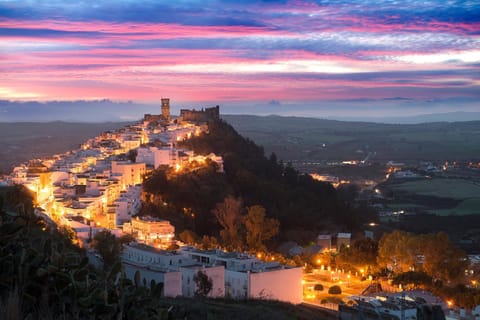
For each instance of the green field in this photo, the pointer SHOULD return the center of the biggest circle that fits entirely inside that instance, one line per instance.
(444, 188)
(468, 206)
(432, 195)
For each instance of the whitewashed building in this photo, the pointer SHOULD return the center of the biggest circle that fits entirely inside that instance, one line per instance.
(249, 278)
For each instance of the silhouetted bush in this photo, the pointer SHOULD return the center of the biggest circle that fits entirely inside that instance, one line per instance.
(318, 287)
(335, 290)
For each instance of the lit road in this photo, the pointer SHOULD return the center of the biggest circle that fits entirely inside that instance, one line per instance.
(350, 285)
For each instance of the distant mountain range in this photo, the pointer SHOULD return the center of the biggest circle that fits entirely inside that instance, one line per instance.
(111, 111)
(423, 118)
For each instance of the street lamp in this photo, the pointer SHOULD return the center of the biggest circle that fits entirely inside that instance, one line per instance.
(348, 280)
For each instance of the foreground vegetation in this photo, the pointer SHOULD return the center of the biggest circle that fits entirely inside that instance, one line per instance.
(44, 276)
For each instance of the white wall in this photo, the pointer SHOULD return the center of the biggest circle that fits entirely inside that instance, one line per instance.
(172, 280)
(163, 156)
(216, 274)
(236, 284)
(283, 284)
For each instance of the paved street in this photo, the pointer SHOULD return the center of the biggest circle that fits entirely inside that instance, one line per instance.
(350, 285)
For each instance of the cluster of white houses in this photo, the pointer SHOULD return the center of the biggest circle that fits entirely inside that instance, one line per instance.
(99, 182)
(98, 187)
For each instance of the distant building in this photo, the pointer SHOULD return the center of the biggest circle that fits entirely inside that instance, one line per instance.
(130, 173)
(325, 241)
(152, 231)
(204, 115)
(147, 118)
(159, 118)
(343, 239)
(389, 307)
(166, 109)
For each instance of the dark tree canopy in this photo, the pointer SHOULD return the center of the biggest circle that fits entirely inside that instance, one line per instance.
(108, 247)
(296, 200)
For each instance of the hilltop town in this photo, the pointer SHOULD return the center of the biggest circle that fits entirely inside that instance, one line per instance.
(99, 187)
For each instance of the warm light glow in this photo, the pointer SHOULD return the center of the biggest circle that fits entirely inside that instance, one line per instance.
(178, 167)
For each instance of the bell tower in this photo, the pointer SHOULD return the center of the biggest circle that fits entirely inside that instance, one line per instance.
(166, 108)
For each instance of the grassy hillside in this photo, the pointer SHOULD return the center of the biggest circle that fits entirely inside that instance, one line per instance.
(438, 195)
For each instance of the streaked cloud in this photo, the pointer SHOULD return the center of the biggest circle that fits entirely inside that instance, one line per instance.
(221, 50)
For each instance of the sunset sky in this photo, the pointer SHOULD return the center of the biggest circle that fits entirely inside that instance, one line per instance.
(279, 53)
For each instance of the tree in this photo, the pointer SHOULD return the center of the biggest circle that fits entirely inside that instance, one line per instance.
(348, 192)
(208, 243)
(204, 284)
(229, 216)
(442, 260)
(108, 247)
(335, 290)
(412, 279)
(361, 253)
(259, 228)
(398, 250)
(188, 236)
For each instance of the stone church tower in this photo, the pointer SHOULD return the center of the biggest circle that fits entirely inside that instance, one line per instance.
(166, 108)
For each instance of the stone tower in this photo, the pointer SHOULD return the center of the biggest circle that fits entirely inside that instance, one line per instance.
(166, 108)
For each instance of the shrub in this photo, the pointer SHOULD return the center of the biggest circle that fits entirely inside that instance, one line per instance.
(335, 290)
(318, 287)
